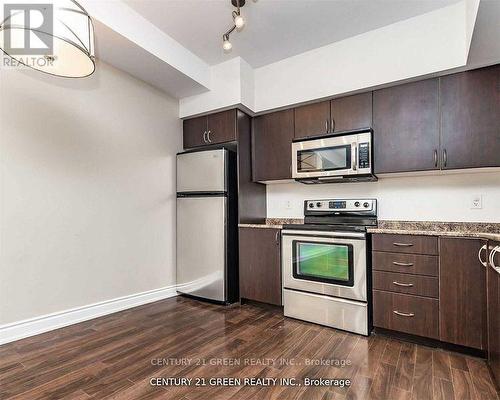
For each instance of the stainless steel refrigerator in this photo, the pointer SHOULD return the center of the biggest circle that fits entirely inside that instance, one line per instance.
(207, 234)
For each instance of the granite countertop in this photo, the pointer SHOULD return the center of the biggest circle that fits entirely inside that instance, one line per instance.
(274, 223)
(482, 230)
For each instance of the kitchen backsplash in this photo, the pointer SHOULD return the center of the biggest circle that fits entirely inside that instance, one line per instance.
(449, 197)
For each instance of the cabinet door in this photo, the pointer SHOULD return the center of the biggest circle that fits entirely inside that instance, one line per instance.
(222, 127)
(351, 112)
(494, 318)
(462, 293)
(406, 127)
(470, 119)
(312, 120)
(194, 130)
(260, 269)
(272, 146)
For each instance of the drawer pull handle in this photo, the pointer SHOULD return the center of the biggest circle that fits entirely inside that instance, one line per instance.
(403, 264)
(402, 314)
(403, 244)
(403, 284)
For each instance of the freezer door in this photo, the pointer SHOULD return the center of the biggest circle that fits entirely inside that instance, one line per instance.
(202, 171)
(201, 250)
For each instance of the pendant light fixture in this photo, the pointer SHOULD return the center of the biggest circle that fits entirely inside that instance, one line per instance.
(57, 38)
(239, 24)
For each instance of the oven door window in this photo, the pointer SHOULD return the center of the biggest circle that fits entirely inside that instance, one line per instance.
(323, 262)
(324, 159)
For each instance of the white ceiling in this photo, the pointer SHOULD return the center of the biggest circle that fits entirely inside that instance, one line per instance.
(276, 29)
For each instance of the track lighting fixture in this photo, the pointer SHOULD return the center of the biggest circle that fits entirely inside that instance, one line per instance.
(226, 44)
(239, 23)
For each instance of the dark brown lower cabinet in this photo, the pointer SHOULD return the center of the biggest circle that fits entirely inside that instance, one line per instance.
(260, 269)
(404, 313)
(462, 293)
(493, 306)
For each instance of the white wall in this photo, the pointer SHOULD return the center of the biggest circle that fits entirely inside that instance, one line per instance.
(87, 195)
(421, 45)
(423, 198)
(225, 90)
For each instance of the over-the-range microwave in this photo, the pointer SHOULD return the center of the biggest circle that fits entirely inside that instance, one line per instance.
(346, 157)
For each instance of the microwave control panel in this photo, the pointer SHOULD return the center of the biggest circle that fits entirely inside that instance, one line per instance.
(364, 155)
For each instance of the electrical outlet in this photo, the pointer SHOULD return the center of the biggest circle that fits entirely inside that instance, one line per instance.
(288, 204)
(476, 202)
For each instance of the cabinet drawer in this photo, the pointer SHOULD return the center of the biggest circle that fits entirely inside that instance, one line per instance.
(405, 263)
(404, 283)
(406, 244)
(405, 313)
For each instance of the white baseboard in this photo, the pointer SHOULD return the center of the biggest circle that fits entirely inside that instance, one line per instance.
(34, 326)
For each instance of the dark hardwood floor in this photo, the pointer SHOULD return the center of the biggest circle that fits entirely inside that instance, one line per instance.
(116, 356)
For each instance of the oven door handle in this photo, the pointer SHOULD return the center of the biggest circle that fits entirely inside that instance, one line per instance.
(304, 235)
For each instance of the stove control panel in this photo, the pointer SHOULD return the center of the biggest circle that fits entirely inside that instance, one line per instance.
(342, 205)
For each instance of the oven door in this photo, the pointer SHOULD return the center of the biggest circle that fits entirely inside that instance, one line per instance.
(325, 263)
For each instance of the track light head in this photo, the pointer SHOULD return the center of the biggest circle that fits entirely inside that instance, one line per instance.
(226, 44)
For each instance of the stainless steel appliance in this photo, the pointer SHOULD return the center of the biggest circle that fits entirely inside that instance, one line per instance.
(326, 277)
(207, 262)
(341, 158)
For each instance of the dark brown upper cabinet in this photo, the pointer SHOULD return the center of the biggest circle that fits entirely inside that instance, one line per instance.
(406, 127)
(470, 119)
(351, 112)
(212, 129)
(339, 115)
(194, 132)
(221, 127)
(272, 146)
(312, 120)
(462, 293)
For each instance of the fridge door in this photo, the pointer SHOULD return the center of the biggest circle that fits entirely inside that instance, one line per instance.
(202, 171)
(201, 246)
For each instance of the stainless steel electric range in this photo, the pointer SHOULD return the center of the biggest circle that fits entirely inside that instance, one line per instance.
(325, 264)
